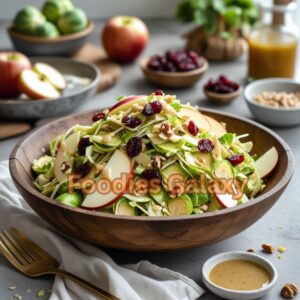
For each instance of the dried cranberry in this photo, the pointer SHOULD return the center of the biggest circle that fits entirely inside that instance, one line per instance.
(148, 110)
(98, 116)
(134, 146)
(131, 122)
(205, 145)
(193, 129)
(150, 174)
(82, 170)
(156, 107)
(236, 159)
(222, 85)
(82, 145)
(159, 93)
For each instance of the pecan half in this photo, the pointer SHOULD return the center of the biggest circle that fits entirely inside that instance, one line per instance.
(268, 248)
(289, 291)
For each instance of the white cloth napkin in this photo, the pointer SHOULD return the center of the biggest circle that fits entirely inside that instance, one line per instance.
(141, 281)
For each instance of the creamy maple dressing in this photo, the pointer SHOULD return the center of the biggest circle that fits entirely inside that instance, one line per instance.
(240, 275)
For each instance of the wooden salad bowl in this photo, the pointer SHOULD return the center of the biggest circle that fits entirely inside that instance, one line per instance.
(150, 233)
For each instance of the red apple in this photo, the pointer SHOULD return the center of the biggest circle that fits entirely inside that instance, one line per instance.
(124, 38)
(11, 65)
(118, 164)
(125, 103)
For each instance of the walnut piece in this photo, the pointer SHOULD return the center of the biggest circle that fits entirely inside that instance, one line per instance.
(289, 291)
(166, 129)
(157, 161)
(268, 248)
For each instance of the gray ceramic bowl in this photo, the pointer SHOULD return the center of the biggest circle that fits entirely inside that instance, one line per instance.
(66, 45)
(279, 117)
(233, 294)
(78, 90)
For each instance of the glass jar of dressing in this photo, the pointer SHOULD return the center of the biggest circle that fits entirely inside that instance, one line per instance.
(273, 43)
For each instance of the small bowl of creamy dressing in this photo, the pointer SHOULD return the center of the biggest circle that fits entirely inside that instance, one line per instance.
(239, 275)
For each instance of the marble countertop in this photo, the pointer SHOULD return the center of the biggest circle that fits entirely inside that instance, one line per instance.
(280, 226)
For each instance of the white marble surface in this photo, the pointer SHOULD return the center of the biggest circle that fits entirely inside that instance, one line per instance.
(280, 226)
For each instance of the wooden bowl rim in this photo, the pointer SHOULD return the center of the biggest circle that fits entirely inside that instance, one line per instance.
(92, 84)
(199, 71)
(14, 163)
(45, 40)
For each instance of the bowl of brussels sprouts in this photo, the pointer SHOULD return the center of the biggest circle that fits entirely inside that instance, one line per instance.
(58, 29)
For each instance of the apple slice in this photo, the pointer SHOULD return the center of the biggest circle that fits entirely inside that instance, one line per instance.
(215, 126)
(65, 149)
(118, 164)
(226, 200)
(266, 163)
(125, 103)
(51, 74)
(31, 84)
(196, 116)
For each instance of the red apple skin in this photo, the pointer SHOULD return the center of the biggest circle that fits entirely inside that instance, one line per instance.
(124, 38)
(11, 65)
(125, 100)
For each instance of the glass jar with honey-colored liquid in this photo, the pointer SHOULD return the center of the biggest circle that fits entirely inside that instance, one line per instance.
(273, 43)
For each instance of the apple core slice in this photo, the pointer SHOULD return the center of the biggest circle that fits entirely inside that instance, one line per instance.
(126, 103)
(216, 127)
(117, 171)
(51, 74)
(196, 116)
(266, 163)
(31, 84)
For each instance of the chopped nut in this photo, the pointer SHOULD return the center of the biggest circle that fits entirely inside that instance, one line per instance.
(251, 250)
(166, 129)
(289, 291)
(64, 167)
(157, 161)
(268, 248)
(12, 288)
(29, 290)
(204, 207)
(281, 249)
(17, 297)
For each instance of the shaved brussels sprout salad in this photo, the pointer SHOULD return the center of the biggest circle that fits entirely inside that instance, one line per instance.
(150, 156)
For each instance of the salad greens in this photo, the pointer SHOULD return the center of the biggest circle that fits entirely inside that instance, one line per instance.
(173, 140)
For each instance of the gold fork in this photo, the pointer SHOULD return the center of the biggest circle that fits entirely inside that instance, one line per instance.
(33, 261)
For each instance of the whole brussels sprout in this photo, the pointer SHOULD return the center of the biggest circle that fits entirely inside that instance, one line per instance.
(74, 199)
(54, 9)
(47, 30)
(72, 21)
(28, 19)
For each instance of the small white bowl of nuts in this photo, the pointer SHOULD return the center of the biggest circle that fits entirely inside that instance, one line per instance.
(274, 101)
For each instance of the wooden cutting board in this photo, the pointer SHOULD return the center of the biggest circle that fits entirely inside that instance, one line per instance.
(110, 71)
(10, 129)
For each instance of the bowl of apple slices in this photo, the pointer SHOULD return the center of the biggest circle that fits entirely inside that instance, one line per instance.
(44, 87)
(152, 174)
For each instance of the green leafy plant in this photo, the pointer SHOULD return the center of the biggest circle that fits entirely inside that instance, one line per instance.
(218, 16)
